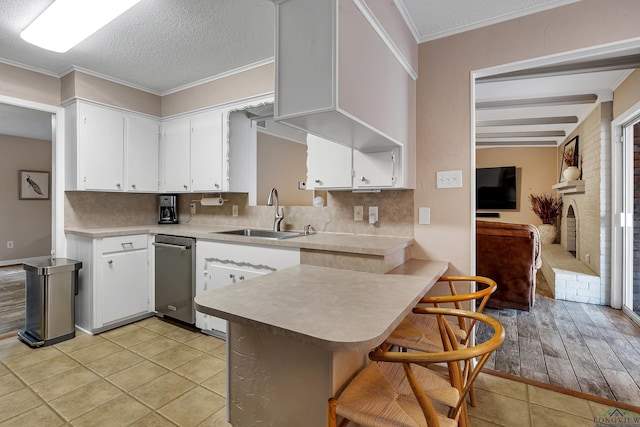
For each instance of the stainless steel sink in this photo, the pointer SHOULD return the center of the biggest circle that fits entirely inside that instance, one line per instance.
(264, 234)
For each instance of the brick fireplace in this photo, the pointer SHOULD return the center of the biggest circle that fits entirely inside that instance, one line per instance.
(578, 267)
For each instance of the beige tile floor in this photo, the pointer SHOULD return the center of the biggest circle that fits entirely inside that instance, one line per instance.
(150, 373)
(154, 373)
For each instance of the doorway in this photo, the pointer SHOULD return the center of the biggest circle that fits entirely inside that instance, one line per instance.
(53, 217)
(558, 336)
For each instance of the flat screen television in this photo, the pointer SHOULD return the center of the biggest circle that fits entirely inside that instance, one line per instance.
(496, 188)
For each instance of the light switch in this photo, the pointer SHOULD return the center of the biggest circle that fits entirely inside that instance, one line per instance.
(424, 216)
(449, 179)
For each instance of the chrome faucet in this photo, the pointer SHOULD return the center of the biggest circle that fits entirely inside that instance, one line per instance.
(279, 216)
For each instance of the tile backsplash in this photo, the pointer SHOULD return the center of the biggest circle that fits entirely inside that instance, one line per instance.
(99, 209)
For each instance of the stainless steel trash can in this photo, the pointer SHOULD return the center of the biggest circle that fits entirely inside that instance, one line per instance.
(51, 287)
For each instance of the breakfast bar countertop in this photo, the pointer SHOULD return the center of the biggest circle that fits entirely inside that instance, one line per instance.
(337, 310)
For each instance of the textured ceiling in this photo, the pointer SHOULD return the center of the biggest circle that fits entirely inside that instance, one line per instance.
(161, 45)
(157, 45)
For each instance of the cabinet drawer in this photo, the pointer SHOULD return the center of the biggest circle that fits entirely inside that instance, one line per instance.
(124, 243)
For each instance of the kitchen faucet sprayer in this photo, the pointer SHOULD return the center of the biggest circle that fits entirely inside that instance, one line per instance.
(279, 216)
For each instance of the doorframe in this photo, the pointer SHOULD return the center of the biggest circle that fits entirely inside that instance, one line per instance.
(617, 205)
(619, 47)
(58, 239)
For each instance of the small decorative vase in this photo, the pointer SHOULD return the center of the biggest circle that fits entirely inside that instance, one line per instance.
(547, 233)
(572, 173)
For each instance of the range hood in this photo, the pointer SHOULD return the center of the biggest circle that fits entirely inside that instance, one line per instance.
(344, 71)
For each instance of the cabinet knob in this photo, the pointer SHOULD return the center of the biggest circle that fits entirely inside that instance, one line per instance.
(110, 262)
(318, 181)
(118, 185)
(232, 276)
(241, 277)
(216, 185)
(185, 186)
(133, 186)
(363, 179)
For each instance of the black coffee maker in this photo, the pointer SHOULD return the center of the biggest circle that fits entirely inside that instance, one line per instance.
(168, 209)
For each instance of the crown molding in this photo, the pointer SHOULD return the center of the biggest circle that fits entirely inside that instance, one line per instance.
(28, 67)
(219, 76)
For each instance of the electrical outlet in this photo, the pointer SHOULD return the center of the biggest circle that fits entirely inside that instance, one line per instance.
(9, 244)
(358, 213)
(192, 208)
(373, 214)
(302, 185)
(234, 210)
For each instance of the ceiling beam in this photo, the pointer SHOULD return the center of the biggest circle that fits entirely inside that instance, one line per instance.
(589, 98)
(532, 121)
(608, 64)
(518, 143)
(530, 134)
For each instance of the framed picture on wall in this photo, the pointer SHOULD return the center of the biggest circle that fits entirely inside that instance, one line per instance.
(34, 185)
(570, 157)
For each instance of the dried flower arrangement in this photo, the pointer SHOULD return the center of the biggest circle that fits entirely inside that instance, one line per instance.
(546, 207)
(569, 157)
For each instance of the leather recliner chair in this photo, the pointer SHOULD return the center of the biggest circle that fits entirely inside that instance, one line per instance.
(510, 255)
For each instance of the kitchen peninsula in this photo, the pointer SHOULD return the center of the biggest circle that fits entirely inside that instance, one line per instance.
(297, 335)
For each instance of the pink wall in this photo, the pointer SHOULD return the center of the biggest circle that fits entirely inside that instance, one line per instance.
(443, 104)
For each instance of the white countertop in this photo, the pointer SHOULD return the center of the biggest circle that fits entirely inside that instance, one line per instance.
(338, 310)
(336, 242)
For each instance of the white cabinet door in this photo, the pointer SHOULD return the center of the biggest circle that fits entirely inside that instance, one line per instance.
(328, 164)
(374, 170)
(206, 151)
(101, 136)
(176, 155)
(142, 153)
(124, 284)
(218, 277)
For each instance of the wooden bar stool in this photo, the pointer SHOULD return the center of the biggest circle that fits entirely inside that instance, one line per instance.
(421, 333)
(401, 388)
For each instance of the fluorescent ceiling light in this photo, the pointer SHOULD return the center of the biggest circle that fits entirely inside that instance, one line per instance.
(66, 23)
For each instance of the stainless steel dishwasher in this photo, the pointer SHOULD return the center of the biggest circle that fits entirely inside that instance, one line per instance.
(175, 274)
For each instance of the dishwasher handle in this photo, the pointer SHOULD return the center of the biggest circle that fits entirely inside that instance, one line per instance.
(170, 246)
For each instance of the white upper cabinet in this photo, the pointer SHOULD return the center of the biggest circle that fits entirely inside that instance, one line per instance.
(101, 135)
(376, 170)
(108, 149)
(328, 164)
(196, 154)
(328, 84)
(206, 151)
(142, 134)
(176, 155)
(335, 166)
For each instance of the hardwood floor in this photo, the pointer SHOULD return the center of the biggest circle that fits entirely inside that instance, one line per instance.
(583, 347)
(12, 299)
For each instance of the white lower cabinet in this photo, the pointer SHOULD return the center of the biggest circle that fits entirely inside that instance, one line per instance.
(124, 280)
(216, 276)
(221, 264)
(115, 281)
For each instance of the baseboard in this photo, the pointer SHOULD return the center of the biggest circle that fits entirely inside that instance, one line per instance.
(23, 260)
(597, 399)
